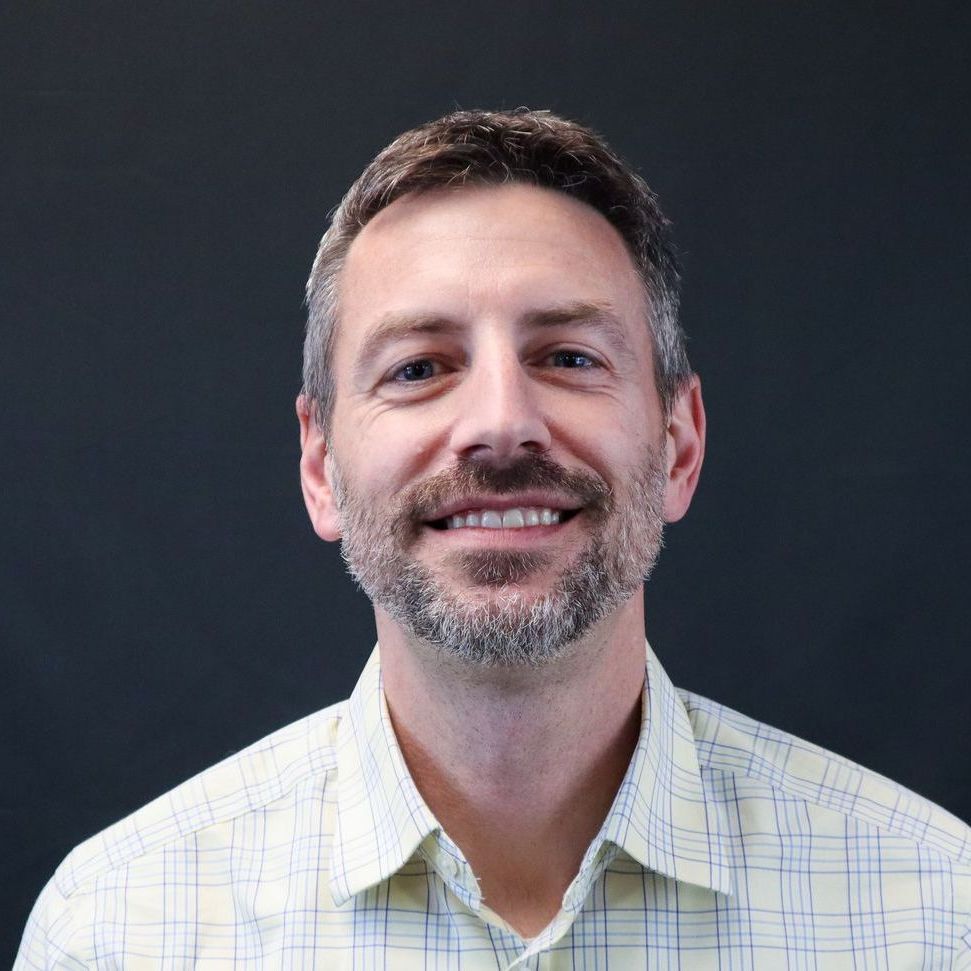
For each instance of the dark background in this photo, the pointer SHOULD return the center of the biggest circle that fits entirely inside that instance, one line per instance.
(167, 170)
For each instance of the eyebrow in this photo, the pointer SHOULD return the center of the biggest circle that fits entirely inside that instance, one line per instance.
(393, 327)
(596, 316)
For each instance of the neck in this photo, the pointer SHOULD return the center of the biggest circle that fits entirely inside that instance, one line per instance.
(520, 765)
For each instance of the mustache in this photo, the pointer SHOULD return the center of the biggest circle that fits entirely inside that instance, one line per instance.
(533, 471)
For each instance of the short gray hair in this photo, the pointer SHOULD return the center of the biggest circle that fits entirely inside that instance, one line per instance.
(495, 148)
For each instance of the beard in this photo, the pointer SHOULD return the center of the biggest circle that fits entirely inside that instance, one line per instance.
(490, 620)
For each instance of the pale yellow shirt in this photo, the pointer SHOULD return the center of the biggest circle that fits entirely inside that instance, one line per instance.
(730, 845)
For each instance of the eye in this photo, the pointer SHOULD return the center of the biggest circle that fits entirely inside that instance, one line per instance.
(418, 370)
(573, 359)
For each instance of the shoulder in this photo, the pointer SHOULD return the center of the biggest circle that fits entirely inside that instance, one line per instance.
(250, 781)
(186, 837)
(732, 743)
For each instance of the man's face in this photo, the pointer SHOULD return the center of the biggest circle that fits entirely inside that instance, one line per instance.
(497, 455)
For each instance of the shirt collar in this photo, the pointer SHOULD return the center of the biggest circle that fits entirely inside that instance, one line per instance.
(661, 816)
(380, 819)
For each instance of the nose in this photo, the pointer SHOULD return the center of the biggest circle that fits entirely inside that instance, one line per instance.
(500, 414)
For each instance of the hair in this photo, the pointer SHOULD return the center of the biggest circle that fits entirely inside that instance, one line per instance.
(474, 148)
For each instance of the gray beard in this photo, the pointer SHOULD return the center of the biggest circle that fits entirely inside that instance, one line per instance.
(506, 627)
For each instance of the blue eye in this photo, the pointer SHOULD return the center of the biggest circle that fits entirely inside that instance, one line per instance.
(573, 359)
(420, 370)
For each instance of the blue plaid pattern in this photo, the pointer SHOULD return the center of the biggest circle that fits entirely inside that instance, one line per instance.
(730, 846)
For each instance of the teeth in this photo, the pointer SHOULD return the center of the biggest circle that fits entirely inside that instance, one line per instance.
(513, 519)
(505, 519)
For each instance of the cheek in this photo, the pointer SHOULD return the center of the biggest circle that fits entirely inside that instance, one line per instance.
(606, 433)
(390, 451)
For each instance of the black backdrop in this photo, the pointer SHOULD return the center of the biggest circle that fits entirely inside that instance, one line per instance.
(167, 171)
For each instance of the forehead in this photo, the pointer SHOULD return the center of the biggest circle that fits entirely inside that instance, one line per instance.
(496, 252)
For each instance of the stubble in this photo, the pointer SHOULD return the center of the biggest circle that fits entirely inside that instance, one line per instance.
(489, 619)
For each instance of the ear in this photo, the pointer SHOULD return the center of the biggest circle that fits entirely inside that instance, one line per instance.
(315, 478)
(685, 450)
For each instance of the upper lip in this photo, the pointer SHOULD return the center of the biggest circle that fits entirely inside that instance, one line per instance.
(520, 500)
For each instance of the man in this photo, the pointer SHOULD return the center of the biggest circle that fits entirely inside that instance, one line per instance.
(498, 416)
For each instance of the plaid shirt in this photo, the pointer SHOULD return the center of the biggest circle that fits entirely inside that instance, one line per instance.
(730, 845)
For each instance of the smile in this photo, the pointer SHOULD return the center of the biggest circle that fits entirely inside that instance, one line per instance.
(518, 517)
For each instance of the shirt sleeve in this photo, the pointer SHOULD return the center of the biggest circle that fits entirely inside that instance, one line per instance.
(45, 943)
